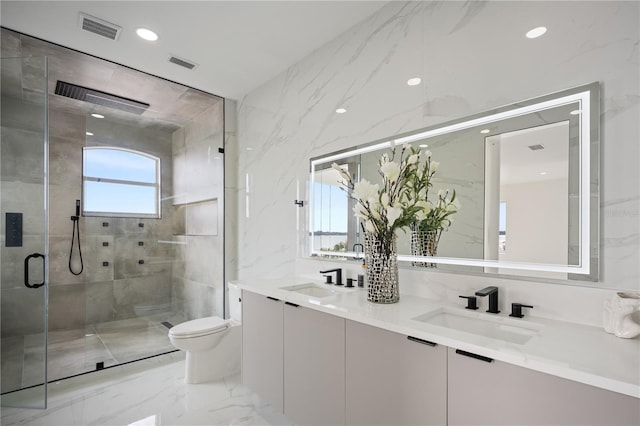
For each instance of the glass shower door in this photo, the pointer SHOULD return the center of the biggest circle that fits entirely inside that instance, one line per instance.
(24, 239)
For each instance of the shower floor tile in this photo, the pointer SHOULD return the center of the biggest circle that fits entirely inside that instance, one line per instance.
(11, 358)
(72, 352)
(136, 343)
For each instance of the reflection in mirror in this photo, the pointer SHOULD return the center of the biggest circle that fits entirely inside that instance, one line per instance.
(530, 181)
(331, 213)
(521, 173)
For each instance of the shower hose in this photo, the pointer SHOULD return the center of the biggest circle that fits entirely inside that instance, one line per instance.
(76, 231)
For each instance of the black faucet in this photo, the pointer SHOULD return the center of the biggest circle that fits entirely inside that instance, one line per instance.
(492, 292)
(338, 272)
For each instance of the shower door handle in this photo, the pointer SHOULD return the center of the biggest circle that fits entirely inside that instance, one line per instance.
(26, 270)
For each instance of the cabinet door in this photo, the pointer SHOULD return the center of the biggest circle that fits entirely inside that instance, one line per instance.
(392, 380)
(489, 392)
(262, 347)
(313, 367)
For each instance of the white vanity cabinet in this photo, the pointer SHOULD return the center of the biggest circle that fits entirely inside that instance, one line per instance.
(488, 392)
(322, 369)
(262, 346)
(314, 363)
(392, 379)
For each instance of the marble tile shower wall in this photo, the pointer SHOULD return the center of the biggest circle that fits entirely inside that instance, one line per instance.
(125, 262)
(189, 277)
(22, 189)
(471, 56)
(198, 277)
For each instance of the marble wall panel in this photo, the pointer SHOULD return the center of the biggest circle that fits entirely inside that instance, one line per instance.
(144, 290)
(100, 303)
(472, 56)
(22, 311)
(12, 363)
(231, 211)
(199, 176)
(27, 116)
(203, 259)
(200, 300)
(59, 273)
(67, 307)
(22, 155)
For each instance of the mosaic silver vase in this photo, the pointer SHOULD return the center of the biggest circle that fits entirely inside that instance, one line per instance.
(424, 243)
(381, 260)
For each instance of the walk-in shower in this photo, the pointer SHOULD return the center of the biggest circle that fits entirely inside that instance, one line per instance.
(137, 163)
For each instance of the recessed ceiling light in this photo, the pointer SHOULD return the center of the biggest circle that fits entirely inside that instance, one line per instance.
(97, 115)
(485, 131)
(89, 134)
(249, 148)
(414, 81)
(341, 110)
(575, 112)
(543, 173)
(536, 32)
(424, 145)
(146, 34)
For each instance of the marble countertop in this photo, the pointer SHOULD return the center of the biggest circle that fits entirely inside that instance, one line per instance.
(576, 352)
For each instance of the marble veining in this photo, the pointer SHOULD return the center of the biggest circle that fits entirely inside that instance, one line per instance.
(291, 119)
(147, 393)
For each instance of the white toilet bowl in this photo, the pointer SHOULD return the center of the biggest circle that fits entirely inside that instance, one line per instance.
(212, 346)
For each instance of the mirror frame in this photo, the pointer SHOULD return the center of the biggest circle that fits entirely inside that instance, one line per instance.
(588, 96)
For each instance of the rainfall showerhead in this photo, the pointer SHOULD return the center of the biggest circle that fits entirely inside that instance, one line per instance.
(98, 97)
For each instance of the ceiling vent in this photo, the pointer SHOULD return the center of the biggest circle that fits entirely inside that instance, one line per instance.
(100, 98)
(536, 147)
(182, 62)
(99, 26)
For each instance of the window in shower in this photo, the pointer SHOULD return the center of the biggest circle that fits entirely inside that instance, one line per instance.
(120, 182)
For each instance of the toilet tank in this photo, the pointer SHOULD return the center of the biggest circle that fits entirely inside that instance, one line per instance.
(235, 306)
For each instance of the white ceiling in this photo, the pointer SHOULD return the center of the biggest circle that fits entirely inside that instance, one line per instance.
(238, 45)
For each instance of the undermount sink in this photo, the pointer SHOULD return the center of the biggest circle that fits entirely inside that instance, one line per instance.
(311, 289)
(482, 324)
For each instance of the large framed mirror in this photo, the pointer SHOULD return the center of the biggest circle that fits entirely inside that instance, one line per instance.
(526, 176)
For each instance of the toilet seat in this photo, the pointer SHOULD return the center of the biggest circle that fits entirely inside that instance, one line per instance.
(198, 327)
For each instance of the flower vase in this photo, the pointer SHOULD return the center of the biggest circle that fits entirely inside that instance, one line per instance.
(425, 243)
(381, 260)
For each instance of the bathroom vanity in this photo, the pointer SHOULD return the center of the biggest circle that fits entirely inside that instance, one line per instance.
(324, 355)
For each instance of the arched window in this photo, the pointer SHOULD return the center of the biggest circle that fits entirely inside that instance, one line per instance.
(120, 182)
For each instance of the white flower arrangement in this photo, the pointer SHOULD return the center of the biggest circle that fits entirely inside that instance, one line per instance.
(432, 216)
(385, 208)
(401, 201)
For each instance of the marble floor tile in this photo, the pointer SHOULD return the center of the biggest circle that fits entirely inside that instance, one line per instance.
(150, 392)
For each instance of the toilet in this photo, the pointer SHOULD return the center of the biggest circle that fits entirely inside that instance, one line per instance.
(212, 344)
